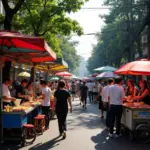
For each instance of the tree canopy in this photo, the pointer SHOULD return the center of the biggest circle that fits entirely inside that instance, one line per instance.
(45, 18)
(119, 41)
(69, 52)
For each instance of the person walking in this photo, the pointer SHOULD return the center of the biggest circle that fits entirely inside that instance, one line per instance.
(100, 88)
(46, 94)
(78, 89)
(62, 97)
(84, 92)
(90, 90)
(116, 95)
(95, 91)
(73, 90)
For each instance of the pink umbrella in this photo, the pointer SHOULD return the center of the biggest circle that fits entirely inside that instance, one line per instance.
(86, 79)
(63, 74)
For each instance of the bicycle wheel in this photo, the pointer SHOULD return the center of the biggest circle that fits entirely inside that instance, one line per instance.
(142, 133)
(29, 135)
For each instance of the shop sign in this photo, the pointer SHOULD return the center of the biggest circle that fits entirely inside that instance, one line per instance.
(143, 114)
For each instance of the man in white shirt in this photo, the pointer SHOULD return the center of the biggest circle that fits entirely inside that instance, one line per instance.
(46, 94)
(116, 95)
(6, 97)
(100, 88)
(105, 95)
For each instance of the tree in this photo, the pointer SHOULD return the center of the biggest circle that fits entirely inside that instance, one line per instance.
(118, 41)
(46, 18)
(69, 53)
(11, 8)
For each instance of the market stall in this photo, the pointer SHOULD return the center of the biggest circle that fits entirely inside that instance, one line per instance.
(21, 48)
(135, 116)
(14, 118)
(54, 66)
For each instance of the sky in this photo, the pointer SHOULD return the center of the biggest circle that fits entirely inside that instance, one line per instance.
(91, 23)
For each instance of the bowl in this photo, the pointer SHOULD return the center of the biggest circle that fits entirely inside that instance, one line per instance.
(17, 102)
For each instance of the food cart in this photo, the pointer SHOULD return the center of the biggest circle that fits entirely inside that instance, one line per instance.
(136, 120)
(14, 119)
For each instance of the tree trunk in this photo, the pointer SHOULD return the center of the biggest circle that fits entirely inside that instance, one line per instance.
(8, 21)
(7, 26)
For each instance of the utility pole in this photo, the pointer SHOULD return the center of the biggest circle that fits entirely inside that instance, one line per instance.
(148, 24)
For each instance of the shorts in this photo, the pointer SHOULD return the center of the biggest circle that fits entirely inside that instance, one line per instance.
(105, 106)
(72, 92)
(83, 98)
(100, 103)
(78, 93)
(95, 93)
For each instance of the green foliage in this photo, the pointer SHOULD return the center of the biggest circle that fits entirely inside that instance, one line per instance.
(115, 43)
(48, 19)
(69, 52)
(42, 16)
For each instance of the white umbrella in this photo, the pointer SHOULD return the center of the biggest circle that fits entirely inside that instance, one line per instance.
(106, 75)
(105, 69)
(24, 74)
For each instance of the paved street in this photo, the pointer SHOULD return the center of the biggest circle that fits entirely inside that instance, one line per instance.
(86, 131)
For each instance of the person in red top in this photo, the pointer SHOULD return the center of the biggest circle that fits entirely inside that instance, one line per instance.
(67, 86)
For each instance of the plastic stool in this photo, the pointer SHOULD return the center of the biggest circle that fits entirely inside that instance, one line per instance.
(39, 123)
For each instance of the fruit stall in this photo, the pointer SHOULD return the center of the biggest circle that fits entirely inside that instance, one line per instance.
(136, 120)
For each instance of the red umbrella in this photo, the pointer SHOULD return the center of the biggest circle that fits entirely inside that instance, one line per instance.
(64, 74)
(140, 67)
(17, 46)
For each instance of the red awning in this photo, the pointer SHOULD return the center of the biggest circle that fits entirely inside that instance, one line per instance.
(15, 45)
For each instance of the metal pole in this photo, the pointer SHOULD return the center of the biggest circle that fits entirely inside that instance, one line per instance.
(148, 32)
(1, 106)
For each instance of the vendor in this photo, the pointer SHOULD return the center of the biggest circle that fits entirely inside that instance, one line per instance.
(144, 93)
(20, 90)
(6, 97)
(131, 89)
(29, 90)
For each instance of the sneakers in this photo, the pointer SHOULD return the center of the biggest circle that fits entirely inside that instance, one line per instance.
(102, 117)
(117, 135)
(60, 134)
(64, 135)
(110, 135)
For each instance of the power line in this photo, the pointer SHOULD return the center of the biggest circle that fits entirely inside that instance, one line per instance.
(96, 33)
(85, 53)
(94, 8)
